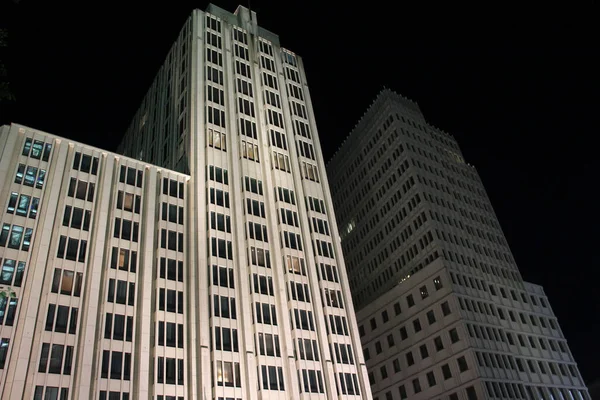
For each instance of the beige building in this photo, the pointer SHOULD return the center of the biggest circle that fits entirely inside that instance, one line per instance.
(224, 280)
(443, 311)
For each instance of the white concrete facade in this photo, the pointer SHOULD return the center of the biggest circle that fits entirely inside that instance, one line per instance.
(443, 311)
(82, 324)
(249, 299)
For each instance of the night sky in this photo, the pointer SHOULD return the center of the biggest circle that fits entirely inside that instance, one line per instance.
(520, 96)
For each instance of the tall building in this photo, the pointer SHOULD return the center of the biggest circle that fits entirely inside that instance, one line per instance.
(204, 262)
(443, 311)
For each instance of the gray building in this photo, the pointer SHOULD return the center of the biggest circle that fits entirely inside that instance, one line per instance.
(202, 261)
(442, 309)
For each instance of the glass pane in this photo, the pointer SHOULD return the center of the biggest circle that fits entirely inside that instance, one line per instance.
(12, 203)
(19, 274)
(27, 147)
(128, 202)
(15, 237)
(56, 359)
(46, 156)
(34, 207)
(81, 190)
(8, 269)
(20, 172)
(67, 282)
(86, 163)
(40, 180)
(62, 316)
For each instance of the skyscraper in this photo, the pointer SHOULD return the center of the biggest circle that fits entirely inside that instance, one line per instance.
(443, 311)
(204, 263)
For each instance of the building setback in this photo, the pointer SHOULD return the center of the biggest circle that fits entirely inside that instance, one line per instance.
(443, 311)
(204, 262)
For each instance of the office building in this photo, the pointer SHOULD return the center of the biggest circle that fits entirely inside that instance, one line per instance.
(443, 311)
(202, 261)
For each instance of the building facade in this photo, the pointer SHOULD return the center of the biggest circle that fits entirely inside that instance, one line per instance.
(203, 262)
(443, 311)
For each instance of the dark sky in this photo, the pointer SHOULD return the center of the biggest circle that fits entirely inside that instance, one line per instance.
(520, 96)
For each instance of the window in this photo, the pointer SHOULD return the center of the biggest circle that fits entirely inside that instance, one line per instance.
(118, 363)
(217, 139)
(171, 299)
(123, 259)
(417, 325)
(81, 190)
(131, 176)
(281, 161)
(249, 151)
(396, 365)
(257, 231)
(390, 340)
(3, 351)
(57, 319)
(253, 185)
(471, 393)
(378, 348)
(462, 364)
(221, 248)
(222, 276)
(272, 378)
(30, 176)
(269, 345)
(416, 385)
(11, 269)
(424, 352)
(397, 308)
(71, 249)
(124, 293)
(77, 218)
(228, 374)
(410, 300)
(170, 269)
(446, 308)
(295, 265)
(423, 291)
(439, 345)
(129, 202)
(224, 307)
(410, 360)
(310, 172)
(8, 317)
(402, 391)
(373, 324)
(430, 317)
(85, 163)
(218, 174)
(383, 372)
(292, 240)
(20, 205)
(15, 237)
(446, 372)
(67, 282)
(260, 257)
(437, 283)
(118, 327)
(220, 222)
(403, 333)
(431, 379)
(60, 359)
(453, 335)
(51, 393)
(384, 316)
(226, 339)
